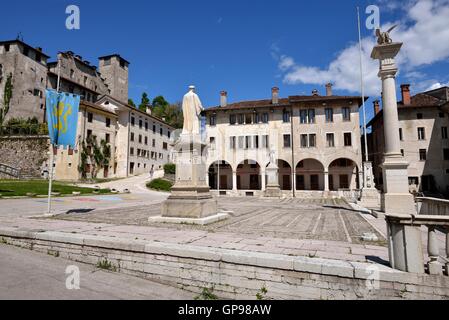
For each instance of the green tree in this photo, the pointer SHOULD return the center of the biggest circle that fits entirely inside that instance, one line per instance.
(131, 103)
(145, 102)
(171, 113)
(7, 96)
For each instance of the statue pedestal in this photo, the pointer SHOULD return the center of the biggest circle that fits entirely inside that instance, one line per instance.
(370, 195)
(190, 200)
(273, 189)
(396, 198)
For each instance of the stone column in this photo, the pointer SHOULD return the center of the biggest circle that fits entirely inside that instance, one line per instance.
(234, 181)
(273, 188)
(326, 180)
(263, 180)
(396, 197)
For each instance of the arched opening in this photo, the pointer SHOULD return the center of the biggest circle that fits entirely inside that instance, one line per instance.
(248, 176)
(220, 175)
(310, 175)
(284, 175)
(343, 175)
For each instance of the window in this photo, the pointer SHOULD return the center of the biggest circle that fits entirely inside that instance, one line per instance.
(287, 141)
(348, 139)
(140, 124)
(90, 117)
(241, 141)
(286, 116)
(248, 119)
(446, 154)
(161, 131)
(257, 118)
(422, 154)
(401, 136)
(304, 141)
(256, 142)
(72, 73)
(421, 134)
(108, 122)
(140, 138)
(213, 120)
(265, 118)
(346, 114)
(232, 119)
(444, 133)
(133, 121)
(89, 133)
(419, 116)
(311, 114)
(312, 140)
(413, 181)
(107, 138)
(330, 140)
(131, 151)
(265, 142)
(146, 126)
(165, 146)
(132, 136)
(303, 116)
(154, 143)
(232, 143)
(37, 93)
(241, 119)
(85, 80)
(169, 134)
(403, 152)
(154, 128)
(247, 142)
(329, 115)
(146, 140)
(107, 62)
(7, 47)
(212, 142)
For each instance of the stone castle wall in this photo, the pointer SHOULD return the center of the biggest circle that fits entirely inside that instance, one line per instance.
(25, 153)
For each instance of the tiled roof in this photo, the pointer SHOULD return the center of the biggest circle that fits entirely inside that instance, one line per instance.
(283, 102)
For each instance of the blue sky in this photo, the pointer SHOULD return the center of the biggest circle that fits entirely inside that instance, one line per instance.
(244, 47)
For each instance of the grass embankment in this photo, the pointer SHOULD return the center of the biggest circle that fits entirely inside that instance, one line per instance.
(18, 188)
(160, 185)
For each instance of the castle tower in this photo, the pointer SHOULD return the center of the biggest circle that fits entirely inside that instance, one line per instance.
(114, 69)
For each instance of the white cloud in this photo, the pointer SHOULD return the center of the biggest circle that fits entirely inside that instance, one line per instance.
(437, 85)
(424, 31)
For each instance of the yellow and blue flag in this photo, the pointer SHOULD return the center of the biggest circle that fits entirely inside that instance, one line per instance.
(62, 117)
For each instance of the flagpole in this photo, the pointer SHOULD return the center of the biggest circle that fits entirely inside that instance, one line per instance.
(52, 155)
(362, 87)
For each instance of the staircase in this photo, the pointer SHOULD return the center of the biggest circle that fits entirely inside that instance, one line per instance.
(9, 171)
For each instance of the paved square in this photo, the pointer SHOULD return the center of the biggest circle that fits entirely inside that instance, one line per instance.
(315, 219)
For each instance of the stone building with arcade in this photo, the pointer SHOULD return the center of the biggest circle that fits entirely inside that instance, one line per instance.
(315, 139)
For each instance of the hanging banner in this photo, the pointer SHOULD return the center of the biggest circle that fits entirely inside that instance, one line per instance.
(62, 117)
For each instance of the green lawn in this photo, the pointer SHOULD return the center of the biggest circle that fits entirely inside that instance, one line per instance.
(15, 188)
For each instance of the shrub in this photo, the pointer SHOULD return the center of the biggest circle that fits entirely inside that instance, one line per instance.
(170, 168)
(160, 185)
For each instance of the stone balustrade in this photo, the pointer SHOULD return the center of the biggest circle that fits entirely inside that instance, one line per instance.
(432, 206)
(405, 242)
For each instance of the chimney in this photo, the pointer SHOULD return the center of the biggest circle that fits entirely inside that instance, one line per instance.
(329, 89)
(315, 93)
(275, 95)
(223, 99)
(406, 99)
(376, 106)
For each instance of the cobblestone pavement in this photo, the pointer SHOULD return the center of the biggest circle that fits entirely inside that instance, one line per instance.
(320, 219)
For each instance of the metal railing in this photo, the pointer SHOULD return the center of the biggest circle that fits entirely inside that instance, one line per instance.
(9, 171)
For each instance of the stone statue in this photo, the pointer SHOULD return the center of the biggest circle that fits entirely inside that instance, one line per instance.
(191, 108)
(272, 157)
(384, 37)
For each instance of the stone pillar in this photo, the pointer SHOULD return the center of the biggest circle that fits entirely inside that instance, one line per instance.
(263, 180)
(404, 243)
(326, 180)
(434, 266)
(396, 197)
(273, 188)
(370, 195)
(234, 181)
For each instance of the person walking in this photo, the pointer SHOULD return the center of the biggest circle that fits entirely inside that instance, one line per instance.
(152, 172)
